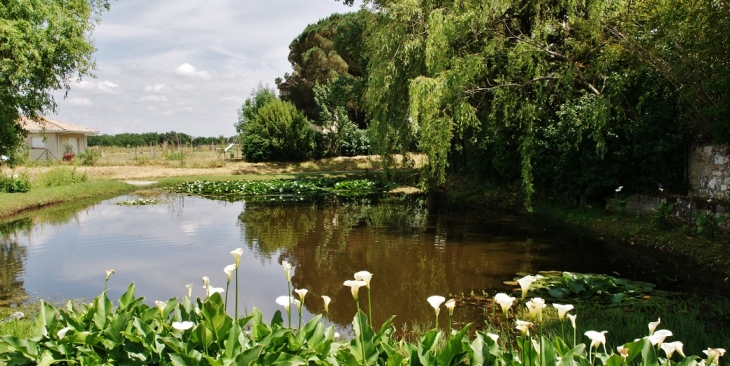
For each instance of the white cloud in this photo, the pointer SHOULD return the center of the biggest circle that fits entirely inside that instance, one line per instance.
(154, 88)
(78, 101)
(153, 98)
(106, 86)
(189, 70)
(187, 61)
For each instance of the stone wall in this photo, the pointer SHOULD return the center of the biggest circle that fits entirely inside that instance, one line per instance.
(685, 209)
(709, 170)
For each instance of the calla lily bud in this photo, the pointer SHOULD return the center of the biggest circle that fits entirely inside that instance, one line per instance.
(161, 306)
(109, 273)
(572, 319)
(451, 304)
(287, 270)
(326, 300)
(237, 253)
(190, 290)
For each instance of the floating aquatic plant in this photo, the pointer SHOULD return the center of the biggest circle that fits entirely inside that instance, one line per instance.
(588, 287)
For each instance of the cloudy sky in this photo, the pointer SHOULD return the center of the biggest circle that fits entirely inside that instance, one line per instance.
(186, 66)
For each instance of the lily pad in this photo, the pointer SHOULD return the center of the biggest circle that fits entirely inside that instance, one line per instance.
(587, 287)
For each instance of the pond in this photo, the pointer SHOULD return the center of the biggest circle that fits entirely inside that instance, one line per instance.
(414, 247)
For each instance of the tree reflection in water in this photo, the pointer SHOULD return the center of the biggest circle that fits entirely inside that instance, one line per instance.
(413, 253)
(12, 259)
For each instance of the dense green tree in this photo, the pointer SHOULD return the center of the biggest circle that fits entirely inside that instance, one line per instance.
(339, 135)
(554, 94)
(273, 130)
(44, 46)
(328, 51)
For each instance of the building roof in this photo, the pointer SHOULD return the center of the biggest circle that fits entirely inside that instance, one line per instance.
(44, 124)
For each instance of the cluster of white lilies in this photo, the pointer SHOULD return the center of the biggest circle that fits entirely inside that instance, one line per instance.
(534, 306)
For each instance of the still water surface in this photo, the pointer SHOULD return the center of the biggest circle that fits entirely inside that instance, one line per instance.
(414, 250)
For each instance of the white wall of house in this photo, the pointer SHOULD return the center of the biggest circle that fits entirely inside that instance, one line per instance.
(52, 147)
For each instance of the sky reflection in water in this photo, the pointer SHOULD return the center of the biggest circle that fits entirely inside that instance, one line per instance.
(413, 251)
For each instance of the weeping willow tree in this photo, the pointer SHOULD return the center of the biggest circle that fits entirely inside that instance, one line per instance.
(450, 76)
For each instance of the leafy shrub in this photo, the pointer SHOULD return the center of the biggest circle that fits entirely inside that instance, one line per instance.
(14, 184)
(58, 176)
(90, 157)
(279, 132)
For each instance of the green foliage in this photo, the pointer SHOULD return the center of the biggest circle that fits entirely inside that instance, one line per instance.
(339, 135)
(708, 223)
(90, 157)
(663, 212)
(293, 189)
(589, 288)
(45, 46)
(134, 333)
(140, 202)
(14, 183)
(328, 52)
(153, 138)
(274, 130)
(58, 176)
(570, 98)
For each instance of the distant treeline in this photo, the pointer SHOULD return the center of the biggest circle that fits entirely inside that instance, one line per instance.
(154, 138)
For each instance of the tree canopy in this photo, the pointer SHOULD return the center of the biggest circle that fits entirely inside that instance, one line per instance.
(44, 46)
(328, 52)
(565, 96)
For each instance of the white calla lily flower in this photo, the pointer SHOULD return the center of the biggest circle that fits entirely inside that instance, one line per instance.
(62, 333)
(326, 300)
(237, 253)
(285, 301)
(562, 309)
(670, 347)
(505, 301)
(182, 326)
(364, 276)
(228, 270)
(354, 287)
(525, 283)
(301, 292)
(597, 338)
(287, 270)
(653, 325)
(436, 302)
(713, 355)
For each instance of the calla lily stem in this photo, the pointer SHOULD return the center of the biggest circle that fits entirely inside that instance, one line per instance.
(236, 312)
